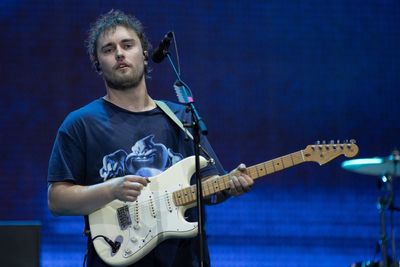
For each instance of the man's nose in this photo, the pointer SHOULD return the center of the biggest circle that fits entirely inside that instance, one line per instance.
(119, 53)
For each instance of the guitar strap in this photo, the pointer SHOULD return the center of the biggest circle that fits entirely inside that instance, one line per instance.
(164, 107)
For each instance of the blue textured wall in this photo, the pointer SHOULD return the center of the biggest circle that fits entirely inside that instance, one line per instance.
(269, 77)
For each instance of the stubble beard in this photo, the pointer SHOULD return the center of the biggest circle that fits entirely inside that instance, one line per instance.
(124, 83)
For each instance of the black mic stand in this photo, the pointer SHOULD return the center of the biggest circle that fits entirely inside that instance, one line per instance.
(199, 128)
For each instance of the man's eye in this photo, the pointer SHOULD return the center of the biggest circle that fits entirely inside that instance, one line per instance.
(127, 46)
(107, 50)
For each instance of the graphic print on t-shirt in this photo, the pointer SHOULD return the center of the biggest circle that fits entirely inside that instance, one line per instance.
(146, 159)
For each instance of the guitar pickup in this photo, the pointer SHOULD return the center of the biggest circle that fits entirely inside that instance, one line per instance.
(124, 218)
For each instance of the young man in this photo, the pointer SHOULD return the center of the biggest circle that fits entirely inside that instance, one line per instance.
(106, 150)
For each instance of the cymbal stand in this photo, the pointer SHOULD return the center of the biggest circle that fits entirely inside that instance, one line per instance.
(386, 202)
(395, 158)
(385, 184)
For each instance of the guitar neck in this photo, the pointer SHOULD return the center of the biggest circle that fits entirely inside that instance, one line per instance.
(211, 186)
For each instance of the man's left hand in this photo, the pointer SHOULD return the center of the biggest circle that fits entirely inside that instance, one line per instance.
(240, 182)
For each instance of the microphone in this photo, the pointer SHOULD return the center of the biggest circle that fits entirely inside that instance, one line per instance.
(162, 49)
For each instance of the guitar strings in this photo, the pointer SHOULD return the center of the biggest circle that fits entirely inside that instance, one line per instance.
(165, 195)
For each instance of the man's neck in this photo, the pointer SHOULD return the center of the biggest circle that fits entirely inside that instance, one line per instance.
(135, 99)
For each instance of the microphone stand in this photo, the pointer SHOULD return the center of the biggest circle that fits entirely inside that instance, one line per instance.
(199, 128)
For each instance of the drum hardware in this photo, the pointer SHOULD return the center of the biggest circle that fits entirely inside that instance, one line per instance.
(386, 169)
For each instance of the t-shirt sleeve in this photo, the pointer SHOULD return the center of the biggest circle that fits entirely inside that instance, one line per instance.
(67, 160)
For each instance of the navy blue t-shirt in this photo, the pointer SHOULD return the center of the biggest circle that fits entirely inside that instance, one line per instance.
(101, 141)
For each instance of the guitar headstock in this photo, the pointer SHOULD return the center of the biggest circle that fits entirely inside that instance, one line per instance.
(323, 153)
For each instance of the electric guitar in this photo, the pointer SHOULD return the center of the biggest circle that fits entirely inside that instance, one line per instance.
(124, 232)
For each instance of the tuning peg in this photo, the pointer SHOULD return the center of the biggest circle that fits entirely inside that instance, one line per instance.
(351, 142)
(323, 143)
(332, 143)
(319, 145)
(327, 147)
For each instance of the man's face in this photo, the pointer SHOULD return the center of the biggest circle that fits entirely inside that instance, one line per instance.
(121, 58)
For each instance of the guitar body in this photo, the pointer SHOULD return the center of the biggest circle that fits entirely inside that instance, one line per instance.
(140, 225)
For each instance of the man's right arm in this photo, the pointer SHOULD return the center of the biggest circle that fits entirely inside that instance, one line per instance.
(65, 198)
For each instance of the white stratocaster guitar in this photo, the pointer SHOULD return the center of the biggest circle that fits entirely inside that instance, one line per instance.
(135, 228)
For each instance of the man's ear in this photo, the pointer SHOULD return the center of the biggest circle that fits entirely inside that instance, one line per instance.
(97, 66)
(146, 55)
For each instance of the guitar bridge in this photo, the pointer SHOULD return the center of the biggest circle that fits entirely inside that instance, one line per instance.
(124, 218)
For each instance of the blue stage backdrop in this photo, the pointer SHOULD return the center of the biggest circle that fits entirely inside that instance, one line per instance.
(269, 77)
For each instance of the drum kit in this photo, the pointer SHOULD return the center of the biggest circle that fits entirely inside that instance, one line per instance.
(385, 168)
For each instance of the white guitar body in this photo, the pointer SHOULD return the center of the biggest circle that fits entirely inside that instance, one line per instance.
(140, 225)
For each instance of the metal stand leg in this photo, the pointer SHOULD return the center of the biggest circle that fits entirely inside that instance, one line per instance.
(383, 239)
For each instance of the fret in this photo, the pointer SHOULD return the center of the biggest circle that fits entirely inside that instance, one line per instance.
(182, 196)
(207, 188)
(210, 188)
(204, 191)
(186, 194)
(179, 197)
(189, 194)
(193, 191)
(261, 170)
(212, 185)
(222, 182)
(227, 182)
(278, 165)
(225, 179)
(287, 161)
(252, 172)
(291, 158)
(297, 157)
(174, 199)
(219, 184)
(269, 167)
(215, 185)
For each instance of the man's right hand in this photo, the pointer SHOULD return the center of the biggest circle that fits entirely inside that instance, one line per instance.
(65, 198)
(127, 188)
